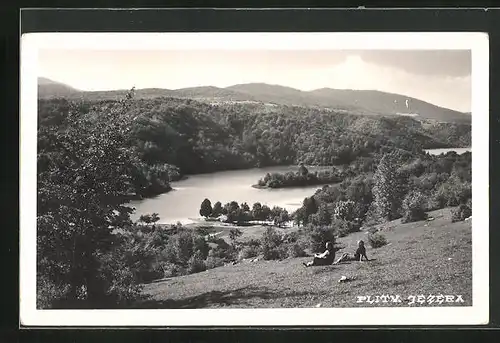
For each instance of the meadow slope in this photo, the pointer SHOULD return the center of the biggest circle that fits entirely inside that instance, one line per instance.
(426, 257)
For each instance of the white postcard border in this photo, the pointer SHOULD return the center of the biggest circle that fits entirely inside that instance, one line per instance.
(476, 314)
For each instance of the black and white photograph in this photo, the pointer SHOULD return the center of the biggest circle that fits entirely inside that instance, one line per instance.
(254, 179)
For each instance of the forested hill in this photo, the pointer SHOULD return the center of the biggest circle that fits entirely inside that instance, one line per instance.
(180, 136)
(363, 102)
(51, 89)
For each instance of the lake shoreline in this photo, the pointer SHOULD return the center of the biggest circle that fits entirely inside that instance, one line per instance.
(225, 186)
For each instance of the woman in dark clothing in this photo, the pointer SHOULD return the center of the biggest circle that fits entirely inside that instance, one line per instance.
(323, 259)
(358, 255)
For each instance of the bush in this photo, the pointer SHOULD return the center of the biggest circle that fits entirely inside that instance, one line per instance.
(224, 252)
(248, 252)
(453, 192)
(291, 237)
(253, 243)
(270, 242)
(296, 250)
(196, 264)
(183, 245)
(47, 293)
(460, 213)
(414, 207)
(376, 240)
(319, 235)
(172, 269)
(214, 262)
(342, 228)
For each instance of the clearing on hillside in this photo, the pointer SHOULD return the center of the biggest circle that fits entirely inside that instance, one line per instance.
(421, 258)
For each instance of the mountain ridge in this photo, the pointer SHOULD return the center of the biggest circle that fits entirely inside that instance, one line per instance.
(367, 102)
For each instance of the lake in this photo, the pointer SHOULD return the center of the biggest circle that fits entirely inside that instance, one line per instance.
(182, 204)
(444, 151)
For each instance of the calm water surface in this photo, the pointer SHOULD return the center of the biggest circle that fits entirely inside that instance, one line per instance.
(183, 202)
(444, 151)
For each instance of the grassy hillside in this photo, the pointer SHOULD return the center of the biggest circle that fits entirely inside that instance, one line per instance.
(426, 257)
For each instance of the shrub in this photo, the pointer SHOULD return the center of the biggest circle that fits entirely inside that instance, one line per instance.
(214, 262)
(342, 228)
(460, 213)
(248, 252)
(234, 234)
(183, 245)
(296, 250)
(224, 252)
(452, 192)
(376, 240)
(414, 207)
(319, 235)
(253, 243)
(270, 242)
(48, 293)
(469, 204)
(172, 269)
(196, 263)
(291, 237)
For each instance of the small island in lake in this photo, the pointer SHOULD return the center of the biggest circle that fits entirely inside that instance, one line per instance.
(300, 178)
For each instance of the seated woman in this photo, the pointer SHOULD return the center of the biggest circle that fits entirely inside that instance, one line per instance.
(358, 255)
(323, 259)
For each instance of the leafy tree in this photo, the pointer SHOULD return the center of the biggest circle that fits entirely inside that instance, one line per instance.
(257, 211)
(266, 212)
(322, 217)
(300, 217)
(282, 218)
(149, 218)
(231, 207)
(206, 208)
(84, 175)
(318, 236)
(309, 207)
(217, 209)
(245, 207)
(388, 189)
(413, 207)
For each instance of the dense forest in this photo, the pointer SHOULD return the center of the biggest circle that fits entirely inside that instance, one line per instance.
(92, 156)
(174, 137)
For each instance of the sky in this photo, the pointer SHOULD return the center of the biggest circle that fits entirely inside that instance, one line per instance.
(441, 77)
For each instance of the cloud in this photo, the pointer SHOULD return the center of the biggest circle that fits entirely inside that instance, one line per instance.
(355, 73)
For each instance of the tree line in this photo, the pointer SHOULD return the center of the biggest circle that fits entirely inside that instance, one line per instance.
(242, 214)
(300, 178)
(175, 137)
